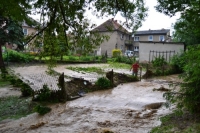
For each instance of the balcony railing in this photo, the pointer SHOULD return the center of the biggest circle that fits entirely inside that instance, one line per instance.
(129, 42)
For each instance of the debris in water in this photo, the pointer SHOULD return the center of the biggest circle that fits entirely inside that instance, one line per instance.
(161, 89)
(37, 125)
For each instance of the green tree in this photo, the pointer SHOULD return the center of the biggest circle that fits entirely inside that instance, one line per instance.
(11, 13)
(69, 14)
(11, 33)
(187, 27)
(189, 95)
(185, 31)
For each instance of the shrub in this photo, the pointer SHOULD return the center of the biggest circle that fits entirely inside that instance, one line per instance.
(72, 58)
(42, 109)
(14, 56)
(103, 83)
(116, 52)
(26, 90)
(44, 94)
(124, 59)
(188, 96)
(178, 62)
(85, 58)
(158, 62)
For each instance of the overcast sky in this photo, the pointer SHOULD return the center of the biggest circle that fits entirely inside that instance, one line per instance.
(154, 21)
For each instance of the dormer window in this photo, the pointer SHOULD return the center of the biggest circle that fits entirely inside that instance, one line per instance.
(150, 38)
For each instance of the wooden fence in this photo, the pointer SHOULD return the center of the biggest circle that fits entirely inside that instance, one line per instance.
(165, 54)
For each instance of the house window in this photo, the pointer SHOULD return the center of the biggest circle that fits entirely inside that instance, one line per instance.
(25, 31)
(150, 38)
(122, 47)
(161, 38)
(122, 36)
(136, 38)
(116, 46)
(136, 48)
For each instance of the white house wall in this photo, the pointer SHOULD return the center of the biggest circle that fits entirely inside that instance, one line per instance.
(144, 49)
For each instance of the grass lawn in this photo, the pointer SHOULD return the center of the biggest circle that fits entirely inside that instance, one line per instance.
(4, 82)
(13, 107)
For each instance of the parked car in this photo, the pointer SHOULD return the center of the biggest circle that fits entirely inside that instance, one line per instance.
(129, 53)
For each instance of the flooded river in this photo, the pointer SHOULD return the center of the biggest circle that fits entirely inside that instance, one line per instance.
(123, 109)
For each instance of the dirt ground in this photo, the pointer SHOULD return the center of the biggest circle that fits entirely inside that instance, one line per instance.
(9, 91)
(130, 107)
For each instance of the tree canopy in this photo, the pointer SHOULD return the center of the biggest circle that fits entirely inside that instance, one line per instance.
(187, 30)
(187, 27)
(68, 17)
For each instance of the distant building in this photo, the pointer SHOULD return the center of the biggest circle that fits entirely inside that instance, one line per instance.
(162, 35)
(120, 38)
(30, 30)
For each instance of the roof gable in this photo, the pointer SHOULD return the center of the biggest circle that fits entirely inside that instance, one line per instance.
(110, 25)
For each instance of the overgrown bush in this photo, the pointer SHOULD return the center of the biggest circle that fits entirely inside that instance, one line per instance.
(42, 109)
(72, 58)
(178, 62)
(116, 52)
(25, 88)
(85, 58)
(124, 59)
(103, 83)
(14, 56)
(188, 96)
(45, 93)
(159, 61)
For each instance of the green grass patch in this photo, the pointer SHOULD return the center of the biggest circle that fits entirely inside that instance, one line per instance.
(87, 69)
(13, 107)
(4, 81)
(119, 65)
(176, 123)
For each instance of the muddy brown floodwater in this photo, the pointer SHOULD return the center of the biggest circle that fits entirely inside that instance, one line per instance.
(128, 108)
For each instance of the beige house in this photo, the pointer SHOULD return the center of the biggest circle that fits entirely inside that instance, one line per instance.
(162, 35)
(147, 44)
(30, 30)
(119, 37)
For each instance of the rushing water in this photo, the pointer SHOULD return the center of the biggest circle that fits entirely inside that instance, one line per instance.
(121, 110)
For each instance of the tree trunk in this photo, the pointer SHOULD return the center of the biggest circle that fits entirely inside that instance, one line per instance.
(2, 65)
(61, 57)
